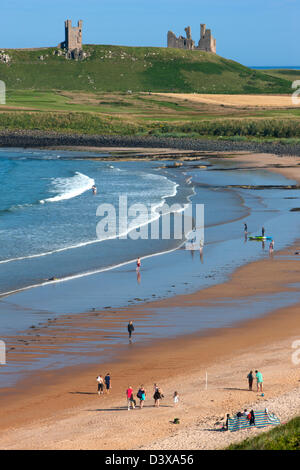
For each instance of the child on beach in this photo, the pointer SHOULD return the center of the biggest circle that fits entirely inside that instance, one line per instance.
(138, 263)
(176, 398)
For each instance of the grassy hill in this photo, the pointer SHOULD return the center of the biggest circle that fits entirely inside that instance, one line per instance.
(118, 69)
(287, 74)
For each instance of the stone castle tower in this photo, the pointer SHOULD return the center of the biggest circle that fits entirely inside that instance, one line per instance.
(73, 37)
(206, 43)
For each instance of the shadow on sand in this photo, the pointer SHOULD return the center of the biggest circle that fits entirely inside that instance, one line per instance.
(124, 408)
(239, 389)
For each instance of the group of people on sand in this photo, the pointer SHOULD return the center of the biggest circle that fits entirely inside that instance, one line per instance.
(249, 414)
(259, 380)
(272, 243)
(140, 395)
(103, 383)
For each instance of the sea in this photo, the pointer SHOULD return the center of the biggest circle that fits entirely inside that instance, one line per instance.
(54, 262)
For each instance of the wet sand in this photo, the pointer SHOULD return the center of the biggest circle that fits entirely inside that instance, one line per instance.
(61, 409)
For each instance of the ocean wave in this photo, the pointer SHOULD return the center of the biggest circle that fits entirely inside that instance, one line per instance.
(88, 273)
(68, 188)
(15, 208)
(155, 214)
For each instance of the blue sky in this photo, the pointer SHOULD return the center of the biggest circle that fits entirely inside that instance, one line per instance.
(253, 32)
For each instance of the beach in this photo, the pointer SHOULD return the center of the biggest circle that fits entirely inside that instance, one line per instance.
(59, 408)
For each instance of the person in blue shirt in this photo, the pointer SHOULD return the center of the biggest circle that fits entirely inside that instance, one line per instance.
(107, 382)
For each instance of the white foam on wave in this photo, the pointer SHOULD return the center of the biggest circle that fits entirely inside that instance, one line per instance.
(88, 273)
(154, 216)
(68, 188)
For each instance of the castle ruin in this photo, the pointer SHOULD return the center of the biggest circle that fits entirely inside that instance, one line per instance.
(73, 39)
(206, 43)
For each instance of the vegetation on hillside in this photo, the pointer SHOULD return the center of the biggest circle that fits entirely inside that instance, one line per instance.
(144, 114)
(284, 437)
(90, 123)
(286, 74)
(118, 68)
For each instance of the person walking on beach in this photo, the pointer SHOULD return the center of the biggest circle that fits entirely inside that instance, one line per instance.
(259, 381)
(138, 263)
(100, 384)
(130, 399)
(130, 329)
(176, 398)
(141, 394)
(94, 189)
(263, 231)
(250, 379)
(158, 395)
(201, 250)
(245, 229)
(107, 381)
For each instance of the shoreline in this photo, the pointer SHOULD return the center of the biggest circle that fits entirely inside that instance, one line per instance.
(182, 360)
(172, 357)
(41, 139)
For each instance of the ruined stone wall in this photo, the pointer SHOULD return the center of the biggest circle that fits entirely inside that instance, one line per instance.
(207, 42)
(180, 42)
(73, 36)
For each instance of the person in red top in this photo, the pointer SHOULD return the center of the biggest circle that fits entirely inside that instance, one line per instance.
(130, 399)
(138, 263)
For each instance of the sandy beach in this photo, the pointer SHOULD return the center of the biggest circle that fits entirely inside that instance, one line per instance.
(61, 409)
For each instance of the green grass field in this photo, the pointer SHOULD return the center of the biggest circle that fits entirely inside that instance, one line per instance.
(284, 437)
(143, 114)
(112, 92)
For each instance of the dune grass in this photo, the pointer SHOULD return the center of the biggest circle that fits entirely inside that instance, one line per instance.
(80, 122)
(284, 437)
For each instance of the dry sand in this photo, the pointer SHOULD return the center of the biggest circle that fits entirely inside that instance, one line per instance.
(61, 409)
(103, 422)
